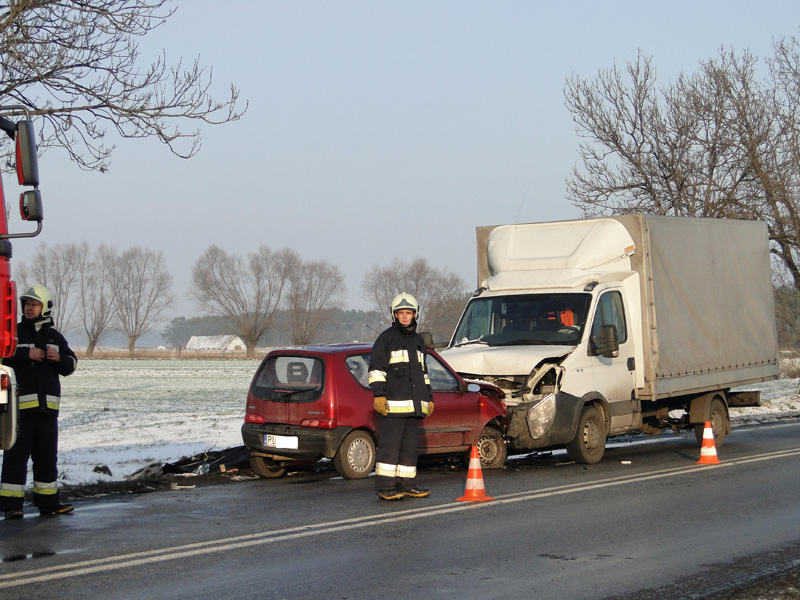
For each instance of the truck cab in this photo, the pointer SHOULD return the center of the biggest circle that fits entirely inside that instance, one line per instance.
(525, 343)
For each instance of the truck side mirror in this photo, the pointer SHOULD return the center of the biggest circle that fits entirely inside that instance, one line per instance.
(606, 343)
(30, 206)
(27, 161)
(427, 337)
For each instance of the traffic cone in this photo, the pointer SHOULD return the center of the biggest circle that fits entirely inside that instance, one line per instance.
(708, 450)
(474, 492)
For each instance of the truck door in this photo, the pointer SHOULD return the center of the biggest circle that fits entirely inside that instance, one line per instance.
(615, 377)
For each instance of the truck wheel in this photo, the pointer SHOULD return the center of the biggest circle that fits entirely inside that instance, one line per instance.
(589, 443)
(718, 415)
(266, 468)
(355, 458)
(491, 448)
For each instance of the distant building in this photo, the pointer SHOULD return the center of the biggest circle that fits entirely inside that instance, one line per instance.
(216, 343)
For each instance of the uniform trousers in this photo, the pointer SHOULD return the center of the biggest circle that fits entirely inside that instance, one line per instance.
(398, 447)
(37, 439)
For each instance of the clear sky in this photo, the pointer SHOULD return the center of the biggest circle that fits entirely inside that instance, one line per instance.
(378, 129)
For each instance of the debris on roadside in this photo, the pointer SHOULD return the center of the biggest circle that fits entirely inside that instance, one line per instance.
(176, 486)
(204, 463)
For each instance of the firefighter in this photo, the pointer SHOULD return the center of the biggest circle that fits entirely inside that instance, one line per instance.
(42, 356)
(399, 381)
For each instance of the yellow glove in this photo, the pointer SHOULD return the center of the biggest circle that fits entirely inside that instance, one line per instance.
(430, 408)
(381, 405)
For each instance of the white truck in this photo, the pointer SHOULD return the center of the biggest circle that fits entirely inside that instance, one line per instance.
(599, 327)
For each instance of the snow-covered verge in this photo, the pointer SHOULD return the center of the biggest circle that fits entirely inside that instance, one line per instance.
(126, 414)
(779, 400)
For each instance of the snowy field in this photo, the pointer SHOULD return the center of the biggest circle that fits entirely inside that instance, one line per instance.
(126, 414)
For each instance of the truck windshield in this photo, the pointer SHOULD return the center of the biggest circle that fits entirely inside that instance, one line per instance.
(524, 319)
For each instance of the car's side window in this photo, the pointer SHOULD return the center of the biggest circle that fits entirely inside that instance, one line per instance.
(358, 365)
(442, 380)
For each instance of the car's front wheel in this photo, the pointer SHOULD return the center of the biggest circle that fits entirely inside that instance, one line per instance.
(355, 458)
(264, 467)
(491, 448)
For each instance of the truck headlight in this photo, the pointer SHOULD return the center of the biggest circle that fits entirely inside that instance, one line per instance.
(540, 416)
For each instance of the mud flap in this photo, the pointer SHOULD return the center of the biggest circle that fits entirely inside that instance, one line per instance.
(8, 409)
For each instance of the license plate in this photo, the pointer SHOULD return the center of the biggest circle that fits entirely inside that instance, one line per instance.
(281, 441)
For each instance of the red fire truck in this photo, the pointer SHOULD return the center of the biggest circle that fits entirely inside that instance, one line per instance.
(30, 203)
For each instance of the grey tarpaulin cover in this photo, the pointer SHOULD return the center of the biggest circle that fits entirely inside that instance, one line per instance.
(707, 300)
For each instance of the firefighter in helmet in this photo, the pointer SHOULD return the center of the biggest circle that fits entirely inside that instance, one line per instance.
(399, 381)
(41, 358)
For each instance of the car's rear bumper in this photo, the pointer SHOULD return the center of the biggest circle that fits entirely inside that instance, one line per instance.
(311, 443)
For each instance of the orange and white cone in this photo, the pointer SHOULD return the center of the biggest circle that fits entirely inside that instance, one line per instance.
(708, 450)
(475, 491)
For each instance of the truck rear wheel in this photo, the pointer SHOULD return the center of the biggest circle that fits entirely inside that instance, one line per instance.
(718, 415)
(589, 443)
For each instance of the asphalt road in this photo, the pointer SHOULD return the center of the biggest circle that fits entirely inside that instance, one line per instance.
(647, 522)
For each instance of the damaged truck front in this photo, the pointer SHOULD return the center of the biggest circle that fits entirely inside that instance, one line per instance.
(599, 327)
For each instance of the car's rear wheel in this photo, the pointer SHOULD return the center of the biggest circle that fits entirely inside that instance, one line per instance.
(355, 458)
(491, 448)
(264, 467)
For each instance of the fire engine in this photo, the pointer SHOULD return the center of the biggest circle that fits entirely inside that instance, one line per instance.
(30, 204)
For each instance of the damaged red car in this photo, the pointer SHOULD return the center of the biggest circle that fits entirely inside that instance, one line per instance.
(307, 403)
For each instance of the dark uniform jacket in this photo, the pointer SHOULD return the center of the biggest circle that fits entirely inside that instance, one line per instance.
(38, 382)
(397, 371)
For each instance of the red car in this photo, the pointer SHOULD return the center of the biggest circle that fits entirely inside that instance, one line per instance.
(311, 402)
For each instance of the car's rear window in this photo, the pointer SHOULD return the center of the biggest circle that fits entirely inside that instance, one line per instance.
(289, 379)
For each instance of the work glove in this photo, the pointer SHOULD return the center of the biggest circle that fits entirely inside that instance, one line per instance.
(430, 408)
(381, 405)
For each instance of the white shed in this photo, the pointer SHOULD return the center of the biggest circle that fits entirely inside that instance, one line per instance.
(216, 343)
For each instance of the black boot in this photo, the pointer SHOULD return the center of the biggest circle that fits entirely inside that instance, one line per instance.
(57, 509)
(416, 492)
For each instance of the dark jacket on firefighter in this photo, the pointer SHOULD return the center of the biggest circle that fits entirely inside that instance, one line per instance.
(38, 382)
(397, 371)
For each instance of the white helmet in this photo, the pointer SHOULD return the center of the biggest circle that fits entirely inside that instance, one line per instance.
(41, 294)
(406, 301)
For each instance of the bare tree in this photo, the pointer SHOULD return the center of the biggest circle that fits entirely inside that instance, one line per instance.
(78, 64)
(141, 290)
(440, 292)
(317, 290)
(56, 268)
(247, 292)
(719, 143)
(95, 293)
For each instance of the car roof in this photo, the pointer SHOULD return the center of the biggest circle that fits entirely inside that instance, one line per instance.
(325, 348)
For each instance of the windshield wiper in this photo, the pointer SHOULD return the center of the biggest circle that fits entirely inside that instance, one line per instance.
(477, 340)
(526, 342)
(287, 394)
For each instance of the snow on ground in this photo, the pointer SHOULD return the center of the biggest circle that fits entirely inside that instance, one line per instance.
(126, 414)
